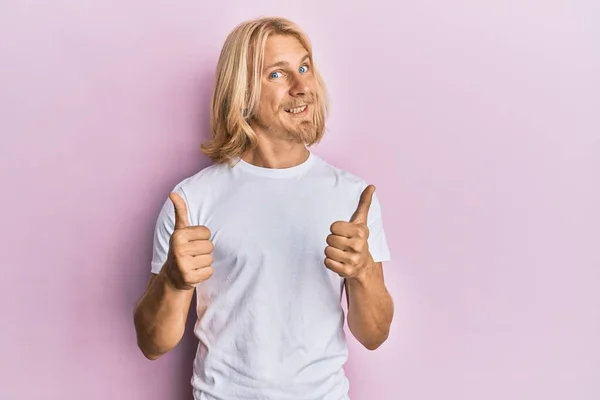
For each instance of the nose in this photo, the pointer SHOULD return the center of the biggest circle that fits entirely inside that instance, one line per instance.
(299, 86)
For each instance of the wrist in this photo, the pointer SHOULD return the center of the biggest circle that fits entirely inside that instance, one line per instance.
(364, 275)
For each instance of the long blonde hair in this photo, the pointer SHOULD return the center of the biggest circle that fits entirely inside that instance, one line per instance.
(236, 93)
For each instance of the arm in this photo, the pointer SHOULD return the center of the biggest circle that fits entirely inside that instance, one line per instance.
(161, 313)
(370, 306)
(160, 316)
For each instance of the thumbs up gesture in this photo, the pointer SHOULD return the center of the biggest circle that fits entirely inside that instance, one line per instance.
(190, 251)
(348, 250)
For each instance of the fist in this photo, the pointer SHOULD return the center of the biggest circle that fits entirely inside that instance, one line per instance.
(348, 251)
(190, 251)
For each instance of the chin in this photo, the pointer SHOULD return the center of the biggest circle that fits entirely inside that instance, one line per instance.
(305, 135)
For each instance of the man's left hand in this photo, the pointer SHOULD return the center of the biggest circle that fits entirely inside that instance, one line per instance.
(348, 251)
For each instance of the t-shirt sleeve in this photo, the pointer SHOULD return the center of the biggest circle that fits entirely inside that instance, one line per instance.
(378, 245)
(165, 225)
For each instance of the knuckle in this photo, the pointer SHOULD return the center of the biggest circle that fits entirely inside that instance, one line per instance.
(203, 261)
(362, 232)
(176, 236)
(185, 275)
(179, 251)
(175, 254)
(204, 274)
(329, 239)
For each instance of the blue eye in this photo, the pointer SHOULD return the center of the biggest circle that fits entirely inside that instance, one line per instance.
(274, 75)
(303, 67)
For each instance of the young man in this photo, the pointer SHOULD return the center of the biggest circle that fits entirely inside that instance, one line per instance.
(268, 237)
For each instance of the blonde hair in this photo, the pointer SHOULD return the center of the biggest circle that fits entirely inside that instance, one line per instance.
(236, 94)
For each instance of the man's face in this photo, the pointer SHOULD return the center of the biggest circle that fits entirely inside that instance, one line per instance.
(287, 98)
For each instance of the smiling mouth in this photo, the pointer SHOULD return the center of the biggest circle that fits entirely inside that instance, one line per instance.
(296, 110)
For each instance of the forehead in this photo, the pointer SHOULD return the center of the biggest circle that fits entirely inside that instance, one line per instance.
(283, 48)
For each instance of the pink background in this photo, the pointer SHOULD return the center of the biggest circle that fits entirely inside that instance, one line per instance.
(479, 122)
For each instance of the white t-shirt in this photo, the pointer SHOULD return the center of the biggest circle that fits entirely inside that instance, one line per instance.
(270, 319)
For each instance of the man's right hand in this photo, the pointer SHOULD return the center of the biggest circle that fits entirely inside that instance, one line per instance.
(190, 251)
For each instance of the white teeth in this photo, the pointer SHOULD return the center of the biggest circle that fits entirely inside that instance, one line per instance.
(296, 110)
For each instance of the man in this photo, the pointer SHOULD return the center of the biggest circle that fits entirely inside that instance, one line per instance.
(268, 237)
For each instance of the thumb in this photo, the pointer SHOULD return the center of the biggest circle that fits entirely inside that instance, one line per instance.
(181, 214)
(362, 211)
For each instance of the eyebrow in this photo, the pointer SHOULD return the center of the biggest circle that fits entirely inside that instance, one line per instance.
(284, 63)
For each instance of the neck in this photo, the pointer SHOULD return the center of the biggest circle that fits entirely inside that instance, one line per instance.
(276, 154)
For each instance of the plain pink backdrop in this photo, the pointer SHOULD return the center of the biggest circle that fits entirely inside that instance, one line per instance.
(479, 122)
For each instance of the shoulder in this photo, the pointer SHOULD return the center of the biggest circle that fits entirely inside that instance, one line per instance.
(344, 178)
(348, 185)
(199, 182)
